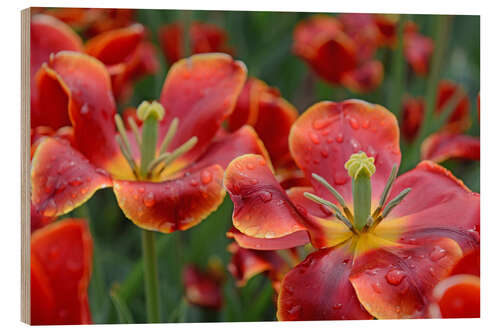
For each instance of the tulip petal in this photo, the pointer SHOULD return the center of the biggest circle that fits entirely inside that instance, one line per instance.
(61, 263)
(440, 147)
(328, 133)
(418, 50)
(62, 178)
(319, 41)
(91, 108)
(438, 205)
(262, 208)
(201, 289)
(176, 204)
(365, 78)
(459, 119)
(295, 239)
(319, 288)
(201, 92)
(397, 282)
(458, 296)
(222, 151)
(271, 115)
(246, 263)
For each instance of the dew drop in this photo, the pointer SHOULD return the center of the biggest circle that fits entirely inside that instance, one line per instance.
(314, 138)
(337, 306)
(432, 271)
(149, 199)
(50, 208)
(75, 182)
(295, 311)
(324, 153)
(355, 144)
(437, 253)
(194, 182)
(395, 276)
(141, 189)
(265, 196)
(206, 177)
(322, 123)
(84, 190)
(253, 181)
(84, 109)
(365, 124)
(250, 166)
(376, 287)
(339, 138)
(354, 123)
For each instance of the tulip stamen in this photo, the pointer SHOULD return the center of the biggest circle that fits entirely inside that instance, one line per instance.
(336, 210)
(172, 129)
(135, 129)
(167, 158)
(336, 194)
(127, 155)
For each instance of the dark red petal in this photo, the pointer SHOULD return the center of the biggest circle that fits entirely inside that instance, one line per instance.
(438, 205)
(262, 208)
(440, 147)
(319, 288)
(413, 115)
(320, 41)
(328, 133)
(222, 151)
(246, 263)
(295, 239)
(61, 264)
(200, 288)
(363, 30)
(38, 220)
(116, 46)
(418, 51)
(271, 115)
(62, 178)
(387, 26)
(176, 204)
(459, 119)
(397, 282)
(91, 109)
(458, 296)
(365, 78)
(170, 37)
(201, 92)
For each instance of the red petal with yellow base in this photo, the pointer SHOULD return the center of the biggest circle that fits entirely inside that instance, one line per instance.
(201, 92)
(318, 41)
(328, 133)
(440, 147)
(201, 289)
(458, 296)
(365, 78)
(295, 239)
(319, 288)
(86, 85)
(262, 208)
(176, 204)
(222, 151)
(61, 264)
(62, 178)
(439, 205)
(397, 281)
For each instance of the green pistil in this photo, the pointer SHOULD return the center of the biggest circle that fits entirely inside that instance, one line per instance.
(150, 114)
(360, 168)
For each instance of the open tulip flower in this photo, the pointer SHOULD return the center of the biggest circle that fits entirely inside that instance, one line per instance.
(322, 40)
(61, 264)
(166, 175)
(382, 243)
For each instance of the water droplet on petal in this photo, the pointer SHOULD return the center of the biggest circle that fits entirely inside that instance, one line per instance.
(141, 189)
(324, 153)
(437, 253)
(339, 138)
(337, 306)
(365, 124)
(294, 312)
(314, 138)
(354, 123)
(194, 182)
(250, 166)
(253, 181)
(340, 178)
(149, 199)
(395, 276)
(75, 182)
(355, 144)
(376, 287)
(84, 109)
(206, 177)
(265, 196)
(322, 123)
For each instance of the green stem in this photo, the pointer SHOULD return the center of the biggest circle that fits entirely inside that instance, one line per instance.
(362, 196)
(151, 276)
(148, 143)
(398, 71)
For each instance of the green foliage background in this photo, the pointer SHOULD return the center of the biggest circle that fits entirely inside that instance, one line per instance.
(262, 40)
